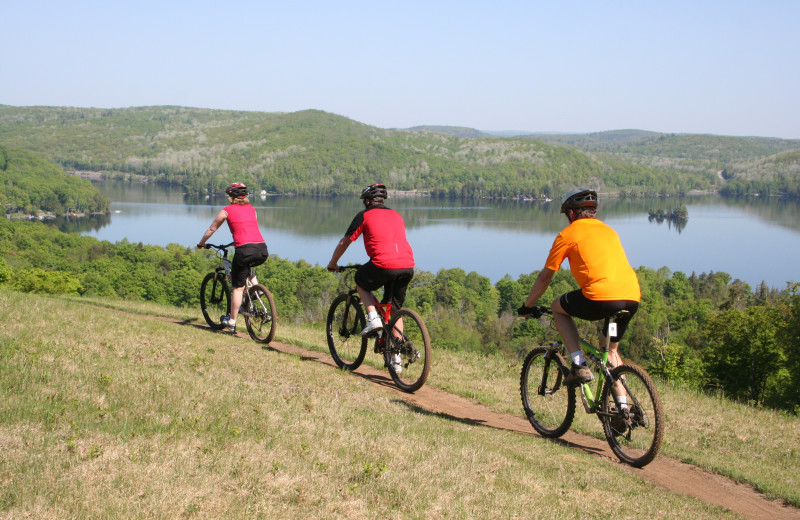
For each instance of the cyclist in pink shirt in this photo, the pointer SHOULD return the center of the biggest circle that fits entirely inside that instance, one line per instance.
(251, 250)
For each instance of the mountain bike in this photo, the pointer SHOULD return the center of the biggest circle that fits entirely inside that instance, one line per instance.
(634, 433)
(258, 306)
(403, 333)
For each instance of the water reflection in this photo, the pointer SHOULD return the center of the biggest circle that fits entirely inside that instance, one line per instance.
(82, 224)
(493, 238)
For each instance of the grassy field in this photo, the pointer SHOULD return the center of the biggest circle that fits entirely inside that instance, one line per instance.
(107, 412)
(755, 446)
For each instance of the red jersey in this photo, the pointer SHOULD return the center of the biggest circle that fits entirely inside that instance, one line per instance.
(384, 237)
(243, 224)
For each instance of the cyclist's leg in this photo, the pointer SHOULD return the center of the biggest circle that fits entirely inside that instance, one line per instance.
(368, 299)
(368, 278)
(614, 359)
(395, 292)
(566, 326)
(245, 258)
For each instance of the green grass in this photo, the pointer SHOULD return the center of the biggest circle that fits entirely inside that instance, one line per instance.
(108, 412)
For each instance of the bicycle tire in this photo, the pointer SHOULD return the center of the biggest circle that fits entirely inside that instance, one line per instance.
(634, 437)
(548, 404)
(414, 348)
(260, 316)
(343, 328)
(215, 299)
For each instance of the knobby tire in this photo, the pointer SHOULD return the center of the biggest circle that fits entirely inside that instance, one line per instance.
(548, 404)
(261, 318)
(215, 299)
(634, 437)
(343, 328)
(414, 347)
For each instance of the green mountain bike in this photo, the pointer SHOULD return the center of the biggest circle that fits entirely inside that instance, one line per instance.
(634, 433)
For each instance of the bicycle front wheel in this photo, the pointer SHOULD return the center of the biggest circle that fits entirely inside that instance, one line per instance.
(259, 315)
(548, 404)
(635, 435)
(343, 327)
(409, 340)
(215, 299)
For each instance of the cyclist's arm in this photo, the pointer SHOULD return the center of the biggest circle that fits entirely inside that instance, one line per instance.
(218, 220)
(341, 247)
(539, 286)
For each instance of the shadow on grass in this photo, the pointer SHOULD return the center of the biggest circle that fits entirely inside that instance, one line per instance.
(592, 450)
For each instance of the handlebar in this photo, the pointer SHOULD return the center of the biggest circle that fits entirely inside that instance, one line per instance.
(341, 268)
(221, 248)
(535, 311)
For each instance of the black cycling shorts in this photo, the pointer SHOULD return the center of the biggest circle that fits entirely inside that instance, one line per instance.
(245, 258)
(579, 306)
(394, 282)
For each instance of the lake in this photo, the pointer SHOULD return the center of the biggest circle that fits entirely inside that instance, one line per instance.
(753, 240)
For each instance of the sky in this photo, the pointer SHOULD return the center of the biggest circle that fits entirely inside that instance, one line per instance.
(686, 66)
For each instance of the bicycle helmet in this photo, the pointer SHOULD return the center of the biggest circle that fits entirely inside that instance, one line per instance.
(237, 190)
(579, 198)
(374, 191)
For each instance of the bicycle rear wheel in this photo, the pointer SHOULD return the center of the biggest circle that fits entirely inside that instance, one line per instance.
(343, 327)
(259, 314)
(635, 436)
(215, 299)
(548, 404)
(412, 342)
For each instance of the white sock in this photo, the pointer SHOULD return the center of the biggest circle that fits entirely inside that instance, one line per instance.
(577, 357)
(622, 402)
(372, 316)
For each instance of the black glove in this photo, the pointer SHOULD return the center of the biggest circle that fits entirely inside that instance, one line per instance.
(529, 311)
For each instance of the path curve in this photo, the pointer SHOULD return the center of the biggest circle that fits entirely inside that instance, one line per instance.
(663, 471)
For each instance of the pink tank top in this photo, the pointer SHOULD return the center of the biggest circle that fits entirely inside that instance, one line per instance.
(243, 224)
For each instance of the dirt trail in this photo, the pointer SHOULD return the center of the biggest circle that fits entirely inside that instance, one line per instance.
(665, 472)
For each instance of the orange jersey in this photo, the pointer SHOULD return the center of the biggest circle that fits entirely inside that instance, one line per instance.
(597, 261)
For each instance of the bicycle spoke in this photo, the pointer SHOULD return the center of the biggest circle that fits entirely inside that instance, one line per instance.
(343, 328)
(549, 406)
(214, 299)
(260, 314)
(410, 341)
(635, 434)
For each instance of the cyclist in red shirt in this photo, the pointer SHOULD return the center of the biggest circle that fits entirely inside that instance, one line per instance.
(391, 263)
(599, 264)
(251, 250)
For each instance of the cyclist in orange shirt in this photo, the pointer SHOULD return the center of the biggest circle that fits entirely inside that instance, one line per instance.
(599, 264)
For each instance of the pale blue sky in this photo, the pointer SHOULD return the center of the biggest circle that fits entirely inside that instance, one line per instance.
(719, 67)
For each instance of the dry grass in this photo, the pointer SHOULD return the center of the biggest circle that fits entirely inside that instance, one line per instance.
(112, 414)
(755, 446)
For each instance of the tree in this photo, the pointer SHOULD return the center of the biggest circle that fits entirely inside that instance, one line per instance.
(743, 351)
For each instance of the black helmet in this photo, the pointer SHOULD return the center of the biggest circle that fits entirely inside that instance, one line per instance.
(237, 190)
(374, 191)
(579, 198)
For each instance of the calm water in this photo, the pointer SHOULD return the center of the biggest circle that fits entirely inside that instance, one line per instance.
(751, 240)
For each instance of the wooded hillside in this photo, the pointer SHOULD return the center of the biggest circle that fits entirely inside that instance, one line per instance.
(30, 185)
(313, 152)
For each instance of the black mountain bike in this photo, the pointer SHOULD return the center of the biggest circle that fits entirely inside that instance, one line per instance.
(258, 306)
(403, 334)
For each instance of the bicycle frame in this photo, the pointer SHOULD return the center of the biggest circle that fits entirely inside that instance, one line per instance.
(227, 265)
(599, 357)
(402, 339)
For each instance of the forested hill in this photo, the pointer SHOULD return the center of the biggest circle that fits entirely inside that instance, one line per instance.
(29, 185)
(314, 152)
(747, 164)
